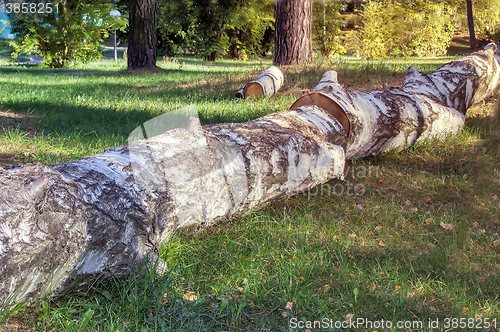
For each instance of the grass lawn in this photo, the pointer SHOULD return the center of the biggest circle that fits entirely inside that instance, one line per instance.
(410, 237)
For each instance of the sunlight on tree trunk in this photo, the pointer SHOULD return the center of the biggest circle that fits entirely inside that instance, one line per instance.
(265, 85)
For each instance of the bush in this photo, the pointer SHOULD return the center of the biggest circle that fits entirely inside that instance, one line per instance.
(393, 28)
(70, 33)
(487, 19)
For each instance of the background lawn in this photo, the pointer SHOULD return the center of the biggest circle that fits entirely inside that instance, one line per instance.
(407, 236)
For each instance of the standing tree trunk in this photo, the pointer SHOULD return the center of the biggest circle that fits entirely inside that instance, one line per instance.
(293, 32)
(470, 22)
(67, 223)
(142, 39)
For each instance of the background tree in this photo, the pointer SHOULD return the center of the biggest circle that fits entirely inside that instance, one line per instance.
(250, 30)
(293, 32)
(70, 32)
(142, 34)
(486, 15)
(470, 22)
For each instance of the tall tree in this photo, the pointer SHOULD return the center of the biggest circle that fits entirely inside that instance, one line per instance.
(142, 38)
(293, 32)
(470, 22)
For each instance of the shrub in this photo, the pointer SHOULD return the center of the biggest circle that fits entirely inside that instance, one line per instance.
(326, 31)
(393, 28)
(70, 32)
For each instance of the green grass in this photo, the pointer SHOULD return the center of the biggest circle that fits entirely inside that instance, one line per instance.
(416, 239)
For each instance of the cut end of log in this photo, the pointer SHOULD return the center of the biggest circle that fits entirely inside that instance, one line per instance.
(264, 85)
(253, 90)
(327, 104)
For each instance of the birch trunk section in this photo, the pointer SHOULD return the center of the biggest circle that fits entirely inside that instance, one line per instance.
(426, 106)
(103, 213)
(63, 225)
(265, 85)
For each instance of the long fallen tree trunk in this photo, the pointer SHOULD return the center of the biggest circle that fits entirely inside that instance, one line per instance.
(63, 225)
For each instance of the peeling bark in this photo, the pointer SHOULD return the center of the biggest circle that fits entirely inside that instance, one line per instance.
(426, 106)
(265, 85)
(65, 224)
(105, 212)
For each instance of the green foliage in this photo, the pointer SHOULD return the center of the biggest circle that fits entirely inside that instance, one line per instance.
(240, 29)
(487, 19)
(326, 27)
(402, 28)
(69, 33)
(176, 26)
(246, 29)
(433, 29)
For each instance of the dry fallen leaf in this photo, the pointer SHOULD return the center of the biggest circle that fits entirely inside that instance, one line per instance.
(288, 307)
(190, 296)
(448, 227)
(396, 288)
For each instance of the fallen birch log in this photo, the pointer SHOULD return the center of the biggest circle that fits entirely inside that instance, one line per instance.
(265, 85)
(425, 106)
(63, 225)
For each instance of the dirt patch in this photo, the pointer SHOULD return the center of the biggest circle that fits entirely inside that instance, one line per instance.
(25, 121)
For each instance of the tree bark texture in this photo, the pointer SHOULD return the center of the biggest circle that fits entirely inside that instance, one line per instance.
(425, 106)
(293, 32)
(142, 38)
(265, 85)
(62, 225)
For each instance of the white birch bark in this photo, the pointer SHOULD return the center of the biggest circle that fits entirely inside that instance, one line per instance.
(103, 213)
(426, 106)
(63, 225)
(265, 85)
